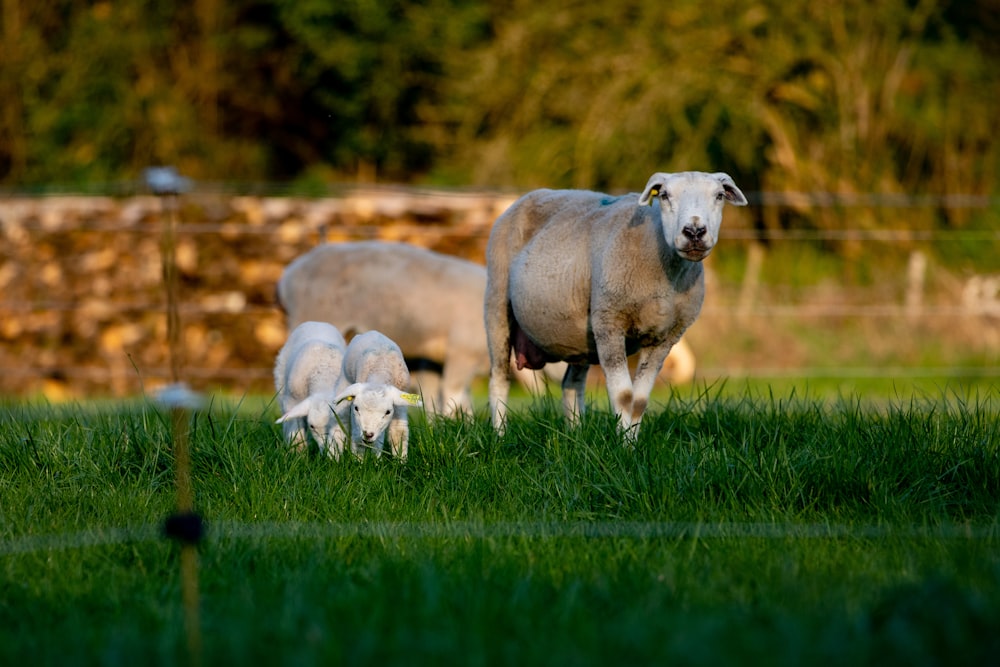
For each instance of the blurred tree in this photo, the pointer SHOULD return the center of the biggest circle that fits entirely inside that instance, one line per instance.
(363, 70)
(245, 90)
(843, 97)
(851, 97)
(825, 96)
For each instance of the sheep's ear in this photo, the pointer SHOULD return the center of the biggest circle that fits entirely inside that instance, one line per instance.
(348, 394)
(402, 398)
(653, 187)
(733, 194)
(299, 410)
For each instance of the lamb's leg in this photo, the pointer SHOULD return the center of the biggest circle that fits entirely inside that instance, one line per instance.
(574, 386)
(335, 442)
(295, 434)
(358, 446)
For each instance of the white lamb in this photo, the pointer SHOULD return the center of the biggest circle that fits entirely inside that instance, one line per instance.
(308, 376)
(374, 365)
(589, 278)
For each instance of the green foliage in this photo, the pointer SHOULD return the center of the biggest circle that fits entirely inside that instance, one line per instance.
(844, 97)
(739, 529)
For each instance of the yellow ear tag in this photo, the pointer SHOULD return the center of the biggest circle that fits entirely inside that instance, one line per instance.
(345, 398)
(412, 399)
(652, 195)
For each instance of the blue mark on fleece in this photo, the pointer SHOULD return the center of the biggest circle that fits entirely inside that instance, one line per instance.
(608, 201)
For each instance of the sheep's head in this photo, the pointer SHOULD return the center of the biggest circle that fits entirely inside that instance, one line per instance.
(691, 208)
(372, 407)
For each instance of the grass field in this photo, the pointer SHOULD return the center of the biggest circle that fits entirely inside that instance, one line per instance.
(743, 528)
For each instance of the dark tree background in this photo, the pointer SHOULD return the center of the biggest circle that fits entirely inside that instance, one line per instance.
(892, 97)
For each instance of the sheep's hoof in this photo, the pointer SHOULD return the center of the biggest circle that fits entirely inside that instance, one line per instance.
(630, 435)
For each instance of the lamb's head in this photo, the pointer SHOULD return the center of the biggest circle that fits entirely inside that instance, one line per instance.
(691, 208)
(318, 412)
(372, 408)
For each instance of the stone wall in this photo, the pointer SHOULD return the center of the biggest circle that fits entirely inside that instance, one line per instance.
(83, 305)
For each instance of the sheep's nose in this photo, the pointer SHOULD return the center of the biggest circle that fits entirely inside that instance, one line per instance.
(694, 233)
(368, 435)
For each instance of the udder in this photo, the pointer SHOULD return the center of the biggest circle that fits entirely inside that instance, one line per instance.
(526, 353)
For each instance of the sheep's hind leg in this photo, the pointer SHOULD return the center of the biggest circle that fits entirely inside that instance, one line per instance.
(498, 316)
(499, 391)
(574, 386)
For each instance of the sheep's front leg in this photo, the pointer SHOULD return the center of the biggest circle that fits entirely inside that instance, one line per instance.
(574, 386)
(614, 363)
(648, 368)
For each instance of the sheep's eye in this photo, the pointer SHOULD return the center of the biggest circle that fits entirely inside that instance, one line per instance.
(356, 409)
(719, 196)
(388, 412)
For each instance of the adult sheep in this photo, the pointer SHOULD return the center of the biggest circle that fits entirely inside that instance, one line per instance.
(588, 278)
(430, 304)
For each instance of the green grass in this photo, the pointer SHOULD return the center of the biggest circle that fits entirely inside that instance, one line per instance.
(742, 528)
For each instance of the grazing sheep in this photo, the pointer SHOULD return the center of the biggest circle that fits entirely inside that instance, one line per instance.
(429, 303)
(589, 278)
(375, 367)
(308, 376)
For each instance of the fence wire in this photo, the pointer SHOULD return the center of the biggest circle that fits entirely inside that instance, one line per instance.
(223, 532)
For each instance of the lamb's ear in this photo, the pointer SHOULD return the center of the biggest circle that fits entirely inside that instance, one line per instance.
(733, 194)
(349, 393)
(653, 187)
(402, 398)
(299, 410)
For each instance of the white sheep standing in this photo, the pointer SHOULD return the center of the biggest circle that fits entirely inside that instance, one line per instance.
(308, 376)
(590, 278)
(377, 394)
